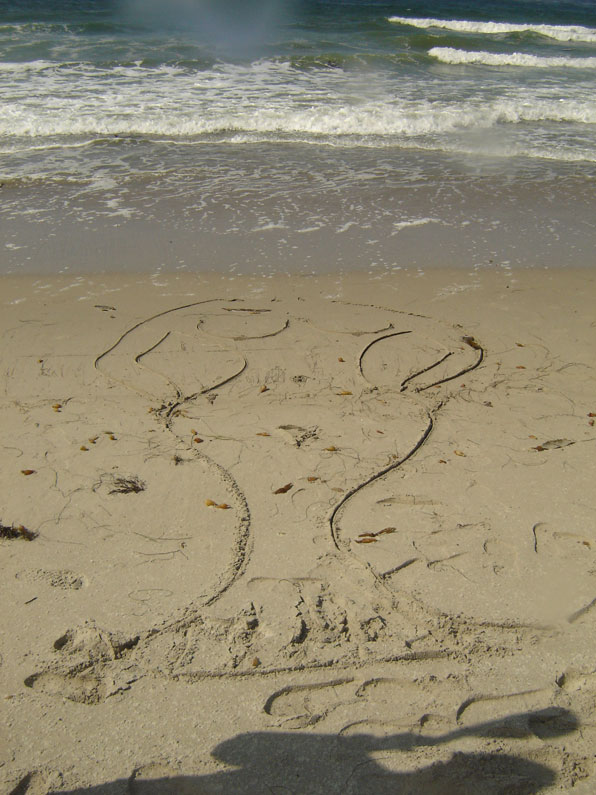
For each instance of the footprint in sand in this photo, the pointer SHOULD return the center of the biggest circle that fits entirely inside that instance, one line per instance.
(61, 578)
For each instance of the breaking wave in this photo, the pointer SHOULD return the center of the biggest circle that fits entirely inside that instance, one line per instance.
(558, 32)
(453, 56)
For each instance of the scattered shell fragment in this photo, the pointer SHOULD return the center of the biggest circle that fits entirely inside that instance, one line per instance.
(112, 437)
(57, 406)
(520, 344)
(332, 448)
(255, 662)
(93, 439)
(520, 367)
(442, 461)
(28, 471)
(372, 536)
(312, 478)
(553, 444)
(264, 388)
(197, 439)
(592, 414)
(263, 433)
(210, 502)
(366, 540)
(25, 533)
(283, 489)
(459, 452)
(471, 342)
(224, 506)
(340, 359)
(82, 447)
(345, 392)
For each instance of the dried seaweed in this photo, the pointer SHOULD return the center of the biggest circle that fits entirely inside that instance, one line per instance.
(20, 531)
(128, 485)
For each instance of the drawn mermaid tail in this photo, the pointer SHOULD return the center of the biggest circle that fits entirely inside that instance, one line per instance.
(325, 412)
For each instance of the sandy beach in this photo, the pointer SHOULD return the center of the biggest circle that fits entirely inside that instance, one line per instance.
(298, 534)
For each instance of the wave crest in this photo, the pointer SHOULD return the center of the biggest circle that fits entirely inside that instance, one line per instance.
(404, 120)
(453, 56)
(558, 32)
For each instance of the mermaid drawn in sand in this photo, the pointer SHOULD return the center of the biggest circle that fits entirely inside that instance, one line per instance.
(296, 411)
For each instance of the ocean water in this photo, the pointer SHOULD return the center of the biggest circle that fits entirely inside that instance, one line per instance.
(272, 134)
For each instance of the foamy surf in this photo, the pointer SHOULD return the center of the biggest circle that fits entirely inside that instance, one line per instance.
(558, 32)
(381, 123)
(340, 118)
(454, 56)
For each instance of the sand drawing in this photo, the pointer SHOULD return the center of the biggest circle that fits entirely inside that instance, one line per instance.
(327, 410)
(277, 490)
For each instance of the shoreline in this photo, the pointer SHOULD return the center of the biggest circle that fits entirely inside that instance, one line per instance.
(206, 460)
(266, 208)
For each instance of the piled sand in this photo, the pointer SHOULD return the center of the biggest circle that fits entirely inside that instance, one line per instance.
(298, 535)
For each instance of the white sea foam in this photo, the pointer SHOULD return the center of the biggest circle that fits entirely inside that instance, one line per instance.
(559, 32)
(410, 222)
(405, 118)
(26, 28)
(69, 106)
(454, 56)
(26, 66)
(86, 102)
(268, 226)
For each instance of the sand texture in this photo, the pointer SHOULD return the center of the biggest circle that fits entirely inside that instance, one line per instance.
(298, 535)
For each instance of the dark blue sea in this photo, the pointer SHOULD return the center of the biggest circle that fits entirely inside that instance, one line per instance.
(299, 135)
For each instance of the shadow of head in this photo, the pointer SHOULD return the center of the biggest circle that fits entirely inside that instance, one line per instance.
(361, 764)
(246, 750)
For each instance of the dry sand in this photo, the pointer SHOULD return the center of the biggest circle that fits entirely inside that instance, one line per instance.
(298, 535)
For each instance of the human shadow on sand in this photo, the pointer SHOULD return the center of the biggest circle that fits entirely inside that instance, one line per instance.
(348, 764)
